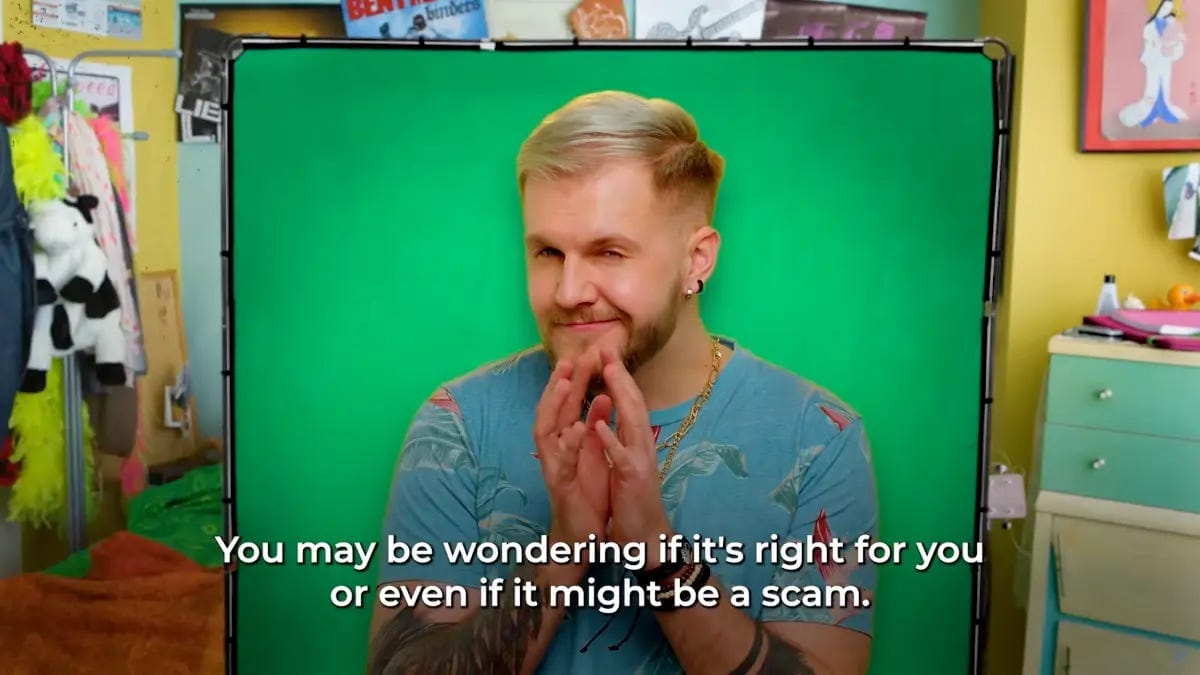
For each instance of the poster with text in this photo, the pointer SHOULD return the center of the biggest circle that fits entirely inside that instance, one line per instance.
(120, 19)
(201, 84)
(413, 19)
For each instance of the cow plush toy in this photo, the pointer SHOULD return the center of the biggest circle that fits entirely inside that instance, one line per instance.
(78, 306)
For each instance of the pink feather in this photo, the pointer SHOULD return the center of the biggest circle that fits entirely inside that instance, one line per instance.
(114, 151)
(133, 469)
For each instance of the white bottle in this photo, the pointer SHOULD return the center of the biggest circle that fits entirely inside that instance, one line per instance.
(1109, 302)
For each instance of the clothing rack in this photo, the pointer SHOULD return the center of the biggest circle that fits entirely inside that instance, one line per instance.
(72, 380)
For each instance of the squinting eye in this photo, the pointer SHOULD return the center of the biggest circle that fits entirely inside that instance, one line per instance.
(612, 254)
(545, 252)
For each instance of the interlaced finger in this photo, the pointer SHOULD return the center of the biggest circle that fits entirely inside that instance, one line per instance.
(569, 443)
(545, 422)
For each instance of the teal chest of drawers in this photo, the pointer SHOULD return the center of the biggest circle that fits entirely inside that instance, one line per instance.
(1113, 570)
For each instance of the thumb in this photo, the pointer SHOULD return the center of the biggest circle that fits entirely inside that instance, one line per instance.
(593, 458)
(600, 410)
(618, 455)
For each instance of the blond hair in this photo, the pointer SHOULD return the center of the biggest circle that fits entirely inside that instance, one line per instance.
(613, 125)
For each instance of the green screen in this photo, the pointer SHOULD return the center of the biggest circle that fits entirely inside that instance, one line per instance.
(376, 248)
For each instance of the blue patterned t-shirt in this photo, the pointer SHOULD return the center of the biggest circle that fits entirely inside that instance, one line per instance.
(770, 457)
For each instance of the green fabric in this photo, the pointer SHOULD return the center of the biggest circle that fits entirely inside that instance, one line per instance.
(75, 565)
(854, 220)
(185, 514)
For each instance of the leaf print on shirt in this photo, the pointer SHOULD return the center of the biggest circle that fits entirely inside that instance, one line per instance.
(435, 443)
(702, 459)
(499, 527)
(835, 575)
(840, 419)
(435, 456)
(821, 575)
(823, 534)
(499, 507)
(443, 399)
(787, 492)
(493, 487)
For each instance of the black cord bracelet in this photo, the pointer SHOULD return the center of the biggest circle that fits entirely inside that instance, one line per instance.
(664, 571)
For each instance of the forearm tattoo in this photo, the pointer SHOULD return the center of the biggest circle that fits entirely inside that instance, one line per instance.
(494, 640)
(778, 657)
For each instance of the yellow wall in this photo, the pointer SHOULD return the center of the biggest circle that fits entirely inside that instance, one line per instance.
(153, 103)
(157, 208)
(1073, 218)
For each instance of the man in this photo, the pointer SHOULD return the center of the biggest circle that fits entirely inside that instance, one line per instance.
(421, 28)
(709, 441)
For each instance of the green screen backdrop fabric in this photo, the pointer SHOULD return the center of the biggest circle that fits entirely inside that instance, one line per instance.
(376, 252)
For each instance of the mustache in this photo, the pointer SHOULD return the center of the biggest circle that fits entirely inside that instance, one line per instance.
(585, 317)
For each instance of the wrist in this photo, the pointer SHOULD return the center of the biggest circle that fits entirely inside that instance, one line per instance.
(671, 556)
(562, 573)
(656, 542)
(665, 549)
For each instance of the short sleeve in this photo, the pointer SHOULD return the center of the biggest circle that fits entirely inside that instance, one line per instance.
(837, 500)
(432, 497)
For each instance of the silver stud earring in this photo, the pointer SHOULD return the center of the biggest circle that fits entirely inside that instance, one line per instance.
(688, 294)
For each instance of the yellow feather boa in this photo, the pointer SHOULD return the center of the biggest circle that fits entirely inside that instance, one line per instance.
(38, 169)
(39, 495)
(40, 449)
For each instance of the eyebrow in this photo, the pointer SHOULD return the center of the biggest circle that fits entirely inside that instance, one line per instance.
(607, 241)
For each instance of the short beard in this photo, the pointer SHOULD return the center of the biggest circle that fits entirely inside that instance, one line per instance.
(644, 343)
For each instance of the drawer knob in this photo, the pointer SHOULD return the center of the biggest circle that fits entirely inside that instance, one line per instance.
(1104, 394)
(1098, 463)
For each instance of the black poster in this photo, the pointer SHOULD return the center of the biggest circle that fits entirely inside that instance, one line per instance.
(201, 84)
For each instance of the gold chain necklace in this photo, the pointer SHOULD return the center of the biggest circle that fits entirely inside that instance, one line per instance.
(685, 426)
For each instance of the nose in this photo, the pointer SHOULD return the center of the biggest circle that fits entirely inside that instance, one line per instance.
(575, 285)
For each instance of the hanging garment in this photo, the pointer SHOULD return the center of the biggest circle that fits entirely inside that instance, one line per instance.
(114, 151)
(17, 301)
(89, 174)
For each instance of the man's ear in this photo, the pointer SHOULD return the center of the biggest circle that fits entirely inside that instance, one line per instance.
(703, 247)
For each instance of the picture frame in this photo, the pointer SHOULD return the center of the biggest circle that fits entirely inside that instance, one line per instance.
(1141, 79)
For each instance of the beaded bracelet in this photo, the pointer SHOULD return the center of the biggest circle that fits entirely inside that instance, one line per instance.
(695, 576)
